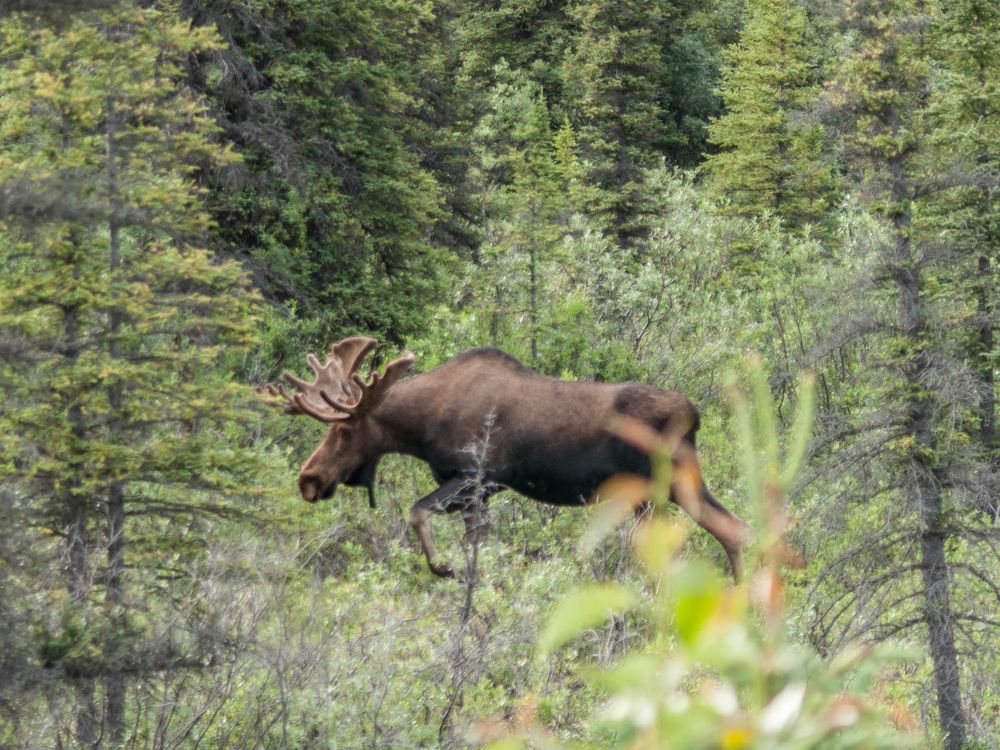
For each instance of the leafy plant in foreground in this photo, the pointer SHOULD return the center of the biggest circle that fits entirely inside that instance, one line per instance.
(720, 669)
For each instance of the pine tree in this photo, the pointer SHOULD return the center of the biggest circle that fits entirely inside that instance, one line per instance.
(118, 328)
(530, 175)
(768, 160)
(530, 37)
(885, 84)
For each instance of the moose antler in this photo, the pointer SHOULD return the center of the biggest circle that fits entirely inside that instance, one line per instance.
(338, 394)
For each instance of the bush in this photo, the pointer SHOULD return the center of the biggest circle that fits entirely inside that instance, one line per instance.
(721, 669)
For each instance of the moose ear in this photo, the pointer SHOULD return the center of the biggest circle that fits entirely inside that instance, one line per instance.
(373, 392)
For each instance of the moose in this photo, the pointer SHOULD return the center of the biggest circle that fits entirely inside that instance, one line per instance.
(544, 438)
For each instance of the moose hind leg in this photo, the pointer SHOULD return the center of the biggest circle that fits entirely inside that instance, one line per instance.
(731, 532)
(689, 491)
(449, 496)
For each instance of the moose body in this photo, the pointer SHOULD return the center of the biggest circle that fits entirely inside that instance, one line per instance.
(542, 437)
(484, 422)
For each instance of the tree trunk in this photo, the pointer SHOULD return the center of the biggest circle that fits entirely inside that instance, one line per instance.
(114, 583)
(938, 616)
(87, 717)
(985, 290)
(114, 685)
(624, 211)
(77, 511)
(925, 486)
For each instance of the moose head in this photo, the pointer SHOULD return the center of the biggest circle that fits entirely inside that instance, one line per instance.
(339, 397)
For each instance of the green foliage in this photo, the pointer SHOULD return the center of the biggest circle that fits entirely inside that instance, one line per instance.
(721, 669)
(768, 158)
(529, 36)
(121, 333)
(613, 76)
(106, 114)
(336, 209)
(964, 127)
(580, 610)
(448, 175)
(883, 93)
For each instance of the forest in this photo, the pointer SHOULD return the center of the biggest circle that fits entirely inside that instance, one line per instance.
(786, 210)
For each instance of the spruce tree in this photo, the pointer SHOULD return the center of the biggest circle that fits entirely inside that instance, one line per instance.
(884, 85)
(530, 176)
(965, 118)
(119, 332)
(915, 565)
(615, 78)
(768, 159)
(528, 37)
(343, 112)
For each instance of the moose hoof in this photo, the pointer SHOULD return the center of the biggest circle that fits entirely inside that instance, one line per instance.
(441, 569)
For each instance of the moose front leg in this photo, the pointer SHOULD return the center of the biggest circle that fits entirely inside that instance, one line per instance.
(449, 496)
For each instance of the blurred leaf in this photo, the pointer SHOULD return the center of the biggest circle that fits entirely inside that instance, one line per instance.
(631, 672)
(637, 434)
(768, 591)
(697, 590)
(763, 409)
(582, 609)
(619, 496)
(844, 712)
(783, 708)
(507, 743)
(801, 430)
(747, 442)
(656, 542)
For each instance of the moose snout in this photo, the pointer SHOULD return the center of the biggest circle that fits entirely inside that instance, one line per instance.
(313, 488)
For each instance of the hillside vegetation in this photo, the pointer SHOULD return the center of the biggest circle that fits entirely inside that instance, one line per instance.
(785, 209)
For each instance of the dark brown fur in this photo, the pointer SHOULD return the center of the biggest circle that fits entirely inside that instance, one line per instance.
(484, 415)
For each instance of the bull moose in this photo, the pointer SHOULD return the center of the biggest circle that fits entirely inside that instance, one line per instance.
(548, 438)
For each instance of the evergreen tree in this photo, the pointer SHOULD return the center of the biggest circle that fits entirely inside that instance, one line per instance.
(118, 328)
(966, 121)
(560, 45)
(768, 160)
(884, 83)
(530, 176)
(53, 8)
(689, 78)
(342, 115)
(531, 37)
(615, 77)
(914, 564)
